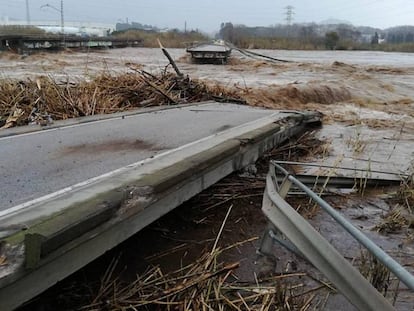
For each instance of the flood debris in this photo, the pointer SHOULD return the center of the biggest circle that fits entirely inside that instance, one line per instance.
(45, 99)
(206, 284)
(394, 221)
(170, 59)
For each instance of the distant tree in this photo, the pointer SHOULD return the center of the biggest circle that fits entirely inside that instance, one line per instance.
(227, 32)
(134, 25)
(331, 40)
(307, 32)
(375, 38)
(400, 34)
(348, 32)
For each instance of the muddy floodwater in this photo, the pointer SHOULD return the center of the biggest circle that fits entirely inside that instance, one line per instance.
(367, 99)
(375, 80)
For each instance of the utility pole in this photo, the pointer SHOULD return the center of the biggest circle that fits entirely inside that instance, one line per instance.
(27, 13)
(62, 21)
(289, 14)
(289, 17)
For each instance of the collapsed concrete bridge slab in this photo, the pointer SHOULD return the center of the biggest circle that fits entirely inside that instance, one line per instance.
(93, 183)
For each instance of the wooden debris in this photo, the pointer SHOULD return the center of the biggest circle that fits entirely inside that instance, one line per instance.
(172, 62)
(3, 260)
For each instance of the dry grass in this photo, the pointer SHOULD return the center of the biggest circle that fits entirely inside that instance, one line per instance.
(170, 39)
(403, 201)
(21, 30)
(203, 285)
(45, 99)
(405, 196)
(206, 284)
(393, 222)
(375, 272)
(356, 143)
(304, 146)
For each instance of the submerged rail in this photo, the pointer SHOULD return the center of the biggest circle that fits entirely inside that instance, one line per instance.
(294, 232)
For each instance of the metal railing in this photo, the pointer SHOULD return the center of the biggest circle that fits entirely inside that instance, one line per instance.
(305, 240)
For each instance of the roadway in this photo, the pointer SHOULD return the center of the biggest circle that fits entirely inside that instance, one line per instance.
(41, 162)
(78, 188)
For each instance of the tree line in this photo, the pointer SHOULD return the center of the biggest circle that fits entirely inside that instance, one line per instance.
(314, 36)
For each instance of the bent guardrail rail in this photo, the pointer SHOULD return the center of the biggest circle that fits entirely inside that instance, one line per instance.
(306, 241)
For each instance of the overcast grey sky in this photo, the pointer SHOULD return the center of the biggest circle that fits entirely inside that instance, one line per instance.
(208, 14)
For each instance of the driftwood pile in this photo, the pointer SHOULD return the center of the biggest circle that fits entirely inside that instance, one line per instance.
(43, 100)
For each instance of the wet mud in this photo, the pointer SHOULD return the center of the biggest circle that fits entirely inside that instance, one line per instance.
(110, 146)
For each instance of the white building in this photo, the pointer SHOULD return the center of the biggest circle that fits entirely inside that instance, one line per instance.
(73, 28)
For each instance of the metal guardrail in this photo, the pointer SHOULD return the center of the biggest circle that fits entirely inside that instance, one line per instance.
(305, 240)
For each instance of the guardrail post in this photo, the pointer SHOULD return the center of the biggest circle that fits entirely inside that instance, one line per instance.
(272, 233)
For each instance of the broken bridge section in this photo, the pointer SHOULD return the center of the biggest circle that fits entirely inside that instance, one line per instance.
(118, 175)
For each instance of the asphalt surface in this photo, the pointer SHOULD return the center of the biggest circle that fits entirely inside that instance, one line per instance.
(36, 164)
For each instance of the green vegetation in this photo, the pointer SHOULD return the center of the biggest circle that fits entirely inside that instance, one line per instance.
(331, 40)
(21, 30)
(319, 37)
(170, 39)
(279, 43)
(292, 37)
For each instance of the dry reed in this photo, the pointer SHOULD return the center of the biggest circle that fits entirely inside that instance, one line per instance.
(205, 284)
(375, 272)
(42, 100)
(393, 222)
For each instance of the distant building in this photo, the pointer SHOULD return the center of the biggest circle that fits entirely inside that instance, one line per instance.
(73, 28)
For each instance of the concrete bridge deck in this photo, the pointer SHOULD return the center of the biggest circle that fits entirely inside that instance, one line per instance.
(79, 188)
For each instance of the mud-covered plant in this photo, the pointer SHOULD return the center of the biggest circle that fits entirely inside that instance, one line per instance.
(286, 298)
(392, 222)
(406, 194)
(375, 272)
(357, 143)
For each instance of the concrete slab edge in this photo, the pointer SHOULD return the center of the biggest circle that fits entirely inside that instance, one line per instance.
(88, 119)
